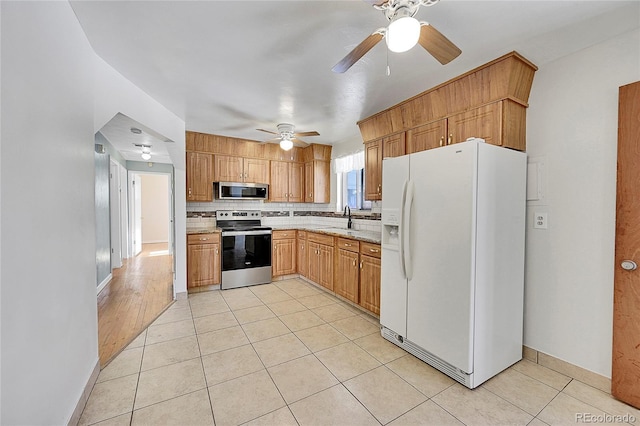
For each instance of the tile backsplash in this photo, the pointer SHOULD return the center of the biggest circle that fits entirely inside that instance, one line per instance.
(201, 215)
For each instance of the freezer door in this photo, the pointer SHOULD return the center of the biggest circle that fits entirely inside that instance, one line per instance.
(441, 246)
(393, 286)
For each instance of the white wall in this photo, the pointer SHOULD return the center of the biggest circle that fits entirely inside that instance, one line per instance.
(155, 208)
(114, 94)
(49, 319)
(572, 126)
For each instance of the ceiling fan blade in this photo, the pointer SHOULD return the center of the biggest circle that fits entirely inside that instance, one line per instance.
(299, 142)
(274, 140)
(437, 44)
(376, 2)
(268, 131)
(358, 52)
(313, 133)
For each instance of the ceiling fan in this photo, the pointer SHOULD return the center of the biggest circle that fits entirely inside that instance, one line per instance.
(403, 32)
(287, 137)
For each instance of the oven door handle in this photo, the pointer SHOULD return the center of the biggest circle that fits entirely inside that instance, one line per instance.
(233, 233)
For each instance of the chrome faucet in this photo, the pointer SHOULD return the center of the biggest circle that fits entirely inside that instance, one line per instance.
(347, 210)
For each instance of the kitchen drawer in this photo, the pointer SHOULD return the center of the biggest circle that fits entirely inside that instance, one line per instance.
(302, 235)
(203, 238)
(348, 244)
(327, 240)
(370, 249)
(283, 234)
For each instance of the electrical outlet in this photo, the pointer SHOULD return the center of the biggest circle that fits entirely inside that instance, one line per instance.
(540, 220)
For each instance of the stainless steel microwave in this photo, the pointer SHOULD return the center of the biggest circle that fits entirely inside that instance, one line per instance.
(240, 191)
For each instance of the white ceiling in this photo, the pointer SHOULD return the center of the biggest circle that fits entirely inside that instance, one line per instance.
(230, 67)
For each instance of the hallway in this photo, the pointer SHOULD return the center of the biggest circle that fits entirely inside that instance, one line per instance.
(137, 294)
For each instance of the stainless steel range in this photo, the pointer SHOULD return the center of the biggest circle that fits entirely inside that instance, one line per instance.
(246, 248)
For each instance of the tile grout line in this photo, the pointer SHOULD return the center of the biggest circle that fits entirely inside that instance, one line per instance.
(204, 372)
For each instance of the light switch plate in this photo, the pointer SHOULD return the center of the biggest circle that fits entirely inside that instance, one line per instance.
(540, 220)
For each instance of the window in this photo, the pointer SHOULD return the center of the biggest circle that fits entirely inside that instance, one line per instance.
(351, 182)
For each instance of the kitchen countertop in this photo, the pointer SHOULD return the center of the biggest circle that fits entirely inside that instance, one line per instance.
(208, 230)
(368, 236)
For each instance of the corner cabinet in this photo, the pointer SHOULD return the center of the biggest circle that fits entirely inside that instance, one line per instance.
(283, 253)
(199, 176)
(374, 152)
(320, 252)
(203, 260)
(317, 181)
(370, 277)
(302, 252)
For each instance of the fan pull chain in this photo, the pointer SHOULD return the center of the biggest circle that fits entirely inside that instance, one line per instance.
(388, 69)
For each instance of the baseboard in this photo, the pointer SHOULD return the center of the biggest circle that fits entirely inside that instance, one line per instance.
(104, 283)
(77, 412)
(563, 367)
(183, 295)
(155, 242)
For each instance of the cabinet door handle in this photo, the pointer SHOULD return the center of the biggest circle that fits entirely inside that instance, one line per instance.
(245, 175)
(354, 263)
(360, 265)
(310, 195)
(189, 192)
(216, 251)
(204, 239)
(374, 250)
(442, 141)
(450, 139)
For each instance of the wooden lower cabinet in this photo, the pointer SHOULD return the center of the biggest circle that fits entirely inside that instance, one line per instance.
(203, 260)
(283, 255)
(320, 252)
(347, 275)
(303, 255)
(370, 283)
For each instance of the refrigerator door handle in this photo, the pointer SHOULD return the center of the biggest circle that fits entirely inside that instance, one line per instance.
(406, 240)
(401, 229)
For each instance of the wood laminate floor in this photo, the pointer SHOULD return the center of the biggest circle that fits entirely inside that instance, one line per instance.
(137, 294)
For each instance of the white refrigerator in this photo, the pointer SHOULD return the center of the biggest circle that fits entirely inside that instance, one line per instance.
(453, 226)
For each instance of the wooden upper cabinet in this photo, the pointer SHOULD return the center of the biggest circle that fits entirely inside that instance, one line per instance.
(256, 170)
(279, 190)
(296, 182)
(484, 122)
(425, 137)
(228, 169)
(508, 78)
(373, 170)
(317, 181)
(199, 176)
(287, 182)
(237, 169)
(394, 145)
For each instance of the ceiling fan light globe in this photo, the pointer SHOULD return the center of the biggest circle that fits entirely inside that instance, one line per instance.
(403, 33)
(286, 144)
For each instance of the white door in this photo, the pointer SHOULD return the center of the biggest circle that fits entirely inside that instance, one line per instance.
(114, 210)
(136, 219)
(393, 285)
(440, 294)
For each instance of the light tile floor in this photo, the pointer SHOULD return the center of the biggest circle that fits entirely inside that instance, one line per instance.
(287, 353)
